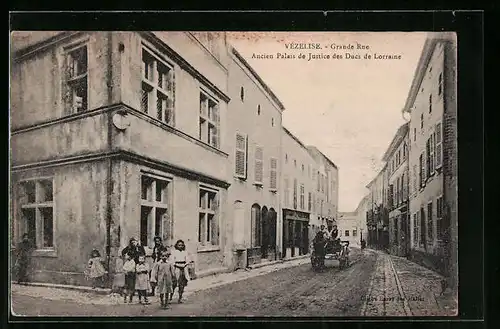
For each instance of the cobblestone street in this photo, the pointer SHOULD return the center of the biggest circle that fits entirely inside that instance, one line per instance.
(375, 284)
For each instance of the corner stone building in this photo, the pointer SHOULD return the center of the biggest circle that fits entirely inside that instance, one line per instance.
(107, 133)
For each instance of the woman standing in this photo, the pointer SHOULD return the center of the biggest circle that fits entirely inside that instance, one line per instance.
(180, 260)
(23, 258)
(134, 250)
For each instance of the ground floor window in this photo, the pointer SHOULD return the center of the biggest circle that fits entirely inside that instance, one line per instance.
(155, 215)
(354, 232)
(208, 228)
(37, 209)
(346, 232)
(415, 230)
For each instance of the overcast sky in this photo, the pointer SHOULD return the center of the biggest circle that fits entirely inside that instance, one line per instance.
(348, 108)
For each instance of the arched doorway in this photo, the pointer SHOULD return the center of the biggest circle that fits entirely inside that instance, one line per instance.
(272, 225)
(254, 252)
(264, 232)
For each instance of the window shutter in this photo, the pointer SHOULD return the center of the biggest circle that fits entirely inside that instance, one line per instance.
(241, 156)
(169, 111)
(273, 173)
(439, 145)
(259, 165)
(170, 80)
(215, 222)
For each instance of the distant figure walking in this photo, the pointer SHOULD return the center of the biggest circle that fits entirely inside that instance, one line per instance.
(23, 260)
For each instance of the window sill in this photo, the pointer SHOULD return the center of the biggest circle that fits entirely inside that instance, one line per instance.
(44, 253)
(273, 190)
(259, 185)
(202, 249)
(241, 178)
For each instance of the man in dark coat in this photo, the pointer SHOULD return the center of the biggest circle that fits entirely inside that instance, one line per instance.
(134, 250)
(319, 247)
(23, 258)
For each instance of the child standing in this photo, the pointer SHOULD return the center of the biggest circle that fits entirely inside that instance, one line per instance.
(180, 260)
(95, 269)
(142, 279)
(129, 270)
(161, 275)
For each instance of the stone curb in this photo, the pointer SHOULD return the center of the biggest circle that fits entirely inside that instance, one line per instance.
(107, 291)
(99, 291)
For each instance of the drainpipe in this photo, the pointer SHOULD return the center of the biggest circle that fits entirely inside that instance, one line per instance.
(109, 181)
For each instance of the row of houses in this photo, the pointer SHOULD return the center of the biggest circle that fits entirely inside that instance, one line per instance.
(141, 134)
(411, 209)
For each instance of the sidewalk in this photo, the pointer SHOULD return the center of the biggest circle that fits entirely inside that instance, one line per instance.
(422, 288)
(399, 287)
(102, 297)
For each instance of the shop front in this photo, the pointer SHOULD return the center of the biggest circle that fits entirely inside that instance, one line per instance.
(295, 233)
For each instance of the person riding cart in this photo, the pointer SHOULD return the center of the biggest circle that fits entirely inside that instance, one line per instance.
(326, 243)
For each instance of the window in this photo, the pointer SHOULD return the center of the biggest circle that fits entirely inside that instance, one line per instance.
(242, 94)
(295, 194)
(440, 84)
(255, 239)
(273, 174)
(422, 170)
(422, 227)
(286, 158)
(259, 165)
(391, 196)
(241, 156)
(154, 209)
(346, 233)
(439, 217)
(287, 192)
(430, 103)
(309, 201)
(77, 79)
(414, 134)
(302, 201)
(37, 205)
(421, 121)
(272, 122)
(314, 206)
(415, 179)
(415, 230)
(322, 183)
(158, 87)
(318, 182)
(431, 153)
(302, 168)
(430, 225)
(398, 191)
(429, 161)
(209, 121)
(208, 230)
(404, 151)
(295, 163)
(258, 109)
(438, 152)
(354, 232)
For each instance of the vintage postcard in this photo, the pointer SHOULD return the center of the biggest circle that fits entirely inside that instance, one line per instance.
(274, 174)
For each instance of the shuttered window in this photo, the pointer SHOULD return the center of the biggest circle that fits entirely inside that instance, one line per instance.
(438, 152)
(273, 174)
(241, 156)
(422, 170)
(295, 194)
(259, 165)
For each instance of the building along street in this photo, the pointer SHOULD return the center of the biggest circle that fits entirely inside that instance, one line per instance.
(375, 284)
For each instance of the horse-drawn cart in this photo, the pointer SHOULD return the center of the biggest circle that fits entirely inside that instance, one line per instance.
(332, 250)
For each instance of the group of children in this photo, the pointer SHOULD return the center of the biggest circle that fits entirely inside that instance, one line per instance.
(168, 271)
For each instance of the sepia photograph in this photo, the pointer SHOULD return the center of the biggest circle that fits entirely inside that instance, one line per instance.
(233, 174)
